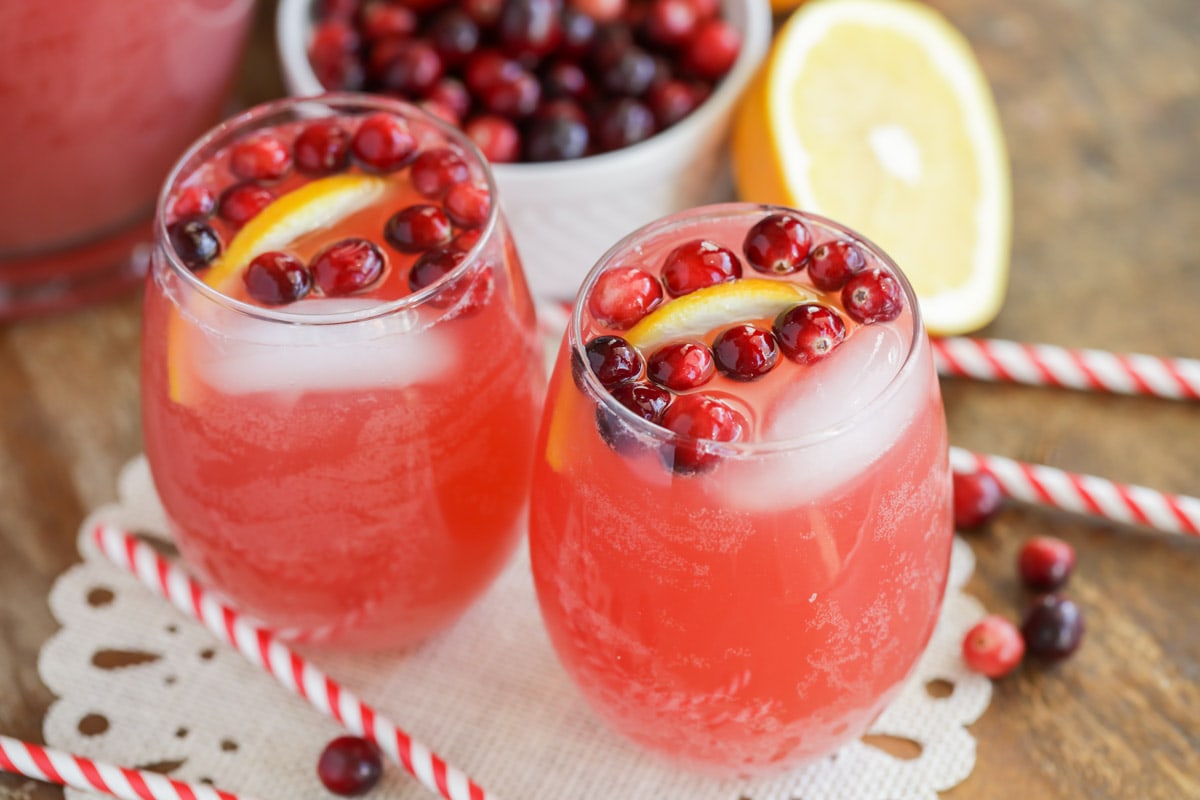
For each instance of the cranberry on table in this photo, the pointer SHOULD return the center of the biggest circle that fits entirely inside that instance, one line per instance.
(699, 418)
(383, 143)
(275, 278)
(322, 148)
(745, 352)
(556, 137)
(194, 242)
(808, 332)
(1045, 563)
(977, 498)
(621, 297)
(468, 204)
(1053, 627)
(496, 137)
(435, 171)
(831, 265)
(243, 202)
(698, 264)
(873, 295)
(346, 267)
(993, 647)
(777, 243)
(681, 365)
(613, 360)
(418, 228)
(349, 766)
(433, 265)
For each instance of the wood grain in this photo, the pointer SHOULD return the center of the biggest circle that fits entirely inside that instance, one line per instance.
(1100, 102)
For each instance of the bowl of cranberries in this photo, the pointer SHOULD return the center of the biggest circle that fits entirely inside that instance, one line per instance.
(598, 116)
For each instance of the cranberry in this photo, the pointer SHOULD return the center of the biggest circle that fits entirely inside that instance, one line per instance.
(496, 137)
(322, 147)
(515, 97)
(276, 278)
(565, 79)
(417, 228)
(483, 12)
(681, 366)
(424, 6)
(468, 294)
(977, 498)
(439, 110)
(435, 171)
(194, 242)
(713, 49)
(562, 107)
(671, 22)
(346, 267)
(647, 401)
(623, 123)
(777, 243)
(451, 93)
(993, 647)
(833, 264)
(745, 352)
(468, 204)
(556, 138)
(242, 202)
(331, 53)
(1053, 627)
(383, 143)
(466, 240)
(338, 9)
(699, 263)
(698, 417)
(381, 19)
(349, 766)
(600, 10)
(613, 360)
(809, 332)
(529, 29)
(873, 295)
(608, 43)
(621, 297)
(671, 101)
(454, 35)
(1045, 563)
(432, 266)
(630, 73)
(414, 69)
(705, 9)
(195, 201)
(487, 68)
(578, 31)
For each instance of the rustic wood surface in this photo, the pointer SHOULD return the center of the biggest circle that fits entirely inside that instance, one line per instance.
(1100, 102)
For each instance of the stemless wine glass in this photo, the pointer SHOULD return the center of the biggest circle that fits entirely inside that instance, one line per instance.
(351, 467)
(739, 606)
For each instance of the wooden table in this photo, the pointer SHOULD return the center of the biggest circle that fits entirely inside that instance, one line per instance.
(1100, 102)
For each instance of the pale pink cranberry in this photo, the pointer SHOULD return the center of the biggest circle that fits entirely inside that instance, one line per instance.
(196, 200)
(1052, 628)
(323, 147)
(468, 204)
(349, 766)
(417, 228)
(496, 137)
(380, 19)
(745, 352)
(700, 419)
(435, 171)
(697, 264)
(621, 297)
(977, 498)
(433, 265)
(831, 265)
(993, 647)
(713, 49)
(600, 10)
(242, 202)
(809, 332)
(777, 243)
(671, 22)
(1045, 563)
(681, 366)
(346, 267)
(613, 360)
(275, 278)
(383, 143)
(873, 295)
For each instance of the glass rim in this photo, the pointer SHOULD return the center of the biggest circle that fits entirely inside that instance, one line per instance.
(246, 121)
(604, 399)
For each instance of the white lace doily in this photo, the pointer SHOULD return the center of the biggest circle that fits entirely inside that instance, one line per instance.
(488, 696)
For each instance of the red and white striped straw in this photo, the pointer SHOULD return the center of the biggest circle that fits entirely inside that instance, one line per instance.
(1049, 365)
(263, 648)
(79, 772)
(1085, 494)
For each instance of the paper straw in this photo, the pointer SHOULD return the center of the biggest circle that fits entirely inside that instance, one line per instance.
(79, 772)
(1048, 365)
(262, 648)
(1085, 494)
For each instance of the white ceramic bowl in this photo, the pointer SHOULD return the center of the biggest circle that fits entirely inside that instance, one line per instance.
(566, 214)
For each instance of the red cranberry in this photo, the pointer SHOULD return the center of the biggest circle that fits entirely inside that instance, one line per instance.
(699, 263)
(578, 31)
(496, 137)
(381, 19)
(621, 297)
(194, 242)
(613, 360)
(702, 418)
(487, 68)
(873, 295)
(809, 332)
(515, 97)
(565, 79)
(435, 171)
(451, 93)
(608, 43)
(681, 366)
(466, 241)
(623, 123)
(439, 110)
(530, 29)
(383, 143)
(414, 69)
(331, 53)
(468, 204)
(833, 264)
(556, 138)
(647, 401)
(562, 107)
(477, 295)
(196, 201)
(1045, 563)
(705, 9)
(713, 49)
(777, 243)
(424, 6)
(349, 766)
(242, 202)
(483, 12)
(671, 101)
(276, 278)
(671, 22)
(993, 647)
(323, 147)
(630, 73)
(433, 265)
(977, 498)
(417, 228)
(346, 267)
(1053, 627)
(600, 10)
(454, 35)
(745, 352)
(337, 9)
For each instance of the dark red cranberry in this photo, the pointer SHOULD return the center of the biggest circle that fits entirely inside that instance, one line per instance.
(454, 35)
(424, 6)
(681, 366)
(608, 43)
(337, 9)
(556, 138)
(777, 243)
(332, 55)
(496, 137)
(700, 420)
(562, 107)
(623, 123)
(487, 68)
(346, 267)
(417, 228)
(565, 79)
(833, 264)
(671, 101)
(699, 263)
(530, 29)
(621, 297)
(439, 110)
(433, 265)
(745, 352)
(613, 360)
(195, 201)
(647, 401)
(977, 498)
(578, 31)
(468, 204)
(414, 69)
(380, 19)
(873, 295)
(1053, 627)
(194, 242)
(670, 22)
(453, 94)
(349, 766)
(466, 241)
(809, 332)
(602, 10)
(713, 49)
(275, 278)
(323, 147)
(242, 202)
(1045, 563)
(630, 73)
(993, 647)
(435, 171)
(383, 143)
(515, 97)
(483, 12)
